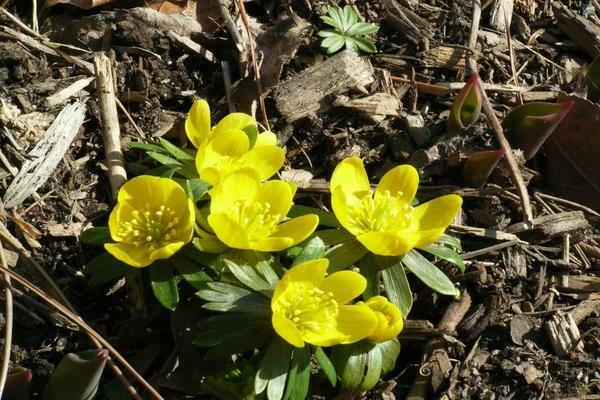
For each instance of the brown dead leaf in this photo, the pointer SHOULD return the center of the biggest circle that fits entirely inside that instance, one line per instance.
(187, 7)
(85, 4)
(572, 153)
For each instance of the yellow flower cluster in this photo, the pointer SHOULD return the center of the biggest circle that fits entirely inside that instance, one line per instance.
(309, 307)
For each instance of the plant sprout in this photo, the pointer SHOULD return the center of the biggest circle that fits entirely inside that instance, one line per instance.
(347, 31)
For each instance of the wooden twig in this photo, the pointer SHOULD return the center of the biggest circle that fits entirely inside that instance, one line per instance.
(88, 329)
(8, 325)
(111, 132)
(255, 67)
(513, 167)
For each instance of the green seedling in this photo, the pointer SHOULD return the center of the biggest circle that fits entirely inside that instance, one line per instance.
(480, 165)
(467, 105)
(528, 126)
(347, 31)
(77, 376)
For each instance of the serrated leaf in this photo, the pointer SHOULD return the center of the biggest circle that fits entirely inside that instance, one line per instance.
(331, 22)
(273, 369)
(429, 273)
(350, 17)
(467, 105)
(446, 254)
(264, 264)
(104, 268)
(344, 255)
(326, 218)
(397, 288)
(480, 165)
(362, 29)
(313, 249)
(95, 236)
(326, 365)
(224, 297)
(337, 15)
(164, 285)
(299, 375)
(325, 33)
(175, 151)
(248, 276)
(528, 126)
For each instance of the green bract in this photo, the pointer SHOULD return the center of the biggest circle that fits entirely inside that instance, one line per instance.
(348, 31)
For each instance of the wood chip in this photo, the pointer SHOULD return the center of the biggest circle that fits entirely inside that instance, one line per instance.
(563, 334)
(579, 283)
(375, 107)
(549, 226)
(302, 94)
(580, 29)
(586, 307)
(520, 326)
(45, 156)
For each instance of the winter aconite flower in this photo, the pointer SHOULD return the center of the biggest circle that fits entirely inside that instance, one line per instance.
(389, 319)
(246, 213)
(230, 150)
(309, 307)
(384, 221)
(199, 129)
(153, 219)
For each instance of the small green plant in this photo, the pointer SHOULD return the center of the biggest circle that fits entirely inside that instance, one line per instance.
(348, 31)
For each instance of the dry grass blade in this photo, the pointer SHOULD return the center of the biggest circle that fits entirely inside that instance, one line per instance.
(8, 327)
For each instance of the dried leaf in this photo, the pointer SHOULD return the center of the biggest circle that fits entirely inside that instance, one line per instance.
(467, 105)
(480, 165)
(573, 169)
(528, 126)
(85, 4)
(187, 7)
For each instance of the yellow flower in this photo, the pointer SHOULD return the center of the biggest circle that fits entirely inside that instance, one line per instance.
(230, 150)
(389, 319)
(309, 307)
(198, 126)
(152, 220)
(248, 214)
(384, 221)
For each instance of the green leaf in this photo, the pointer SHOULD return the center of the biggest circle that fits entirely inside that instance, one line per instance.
(262, 263)
(370, 270)
(248, 276)
(326, 218)
(333, 236)
(429, 273)
(326, 365)
(190, 271)
(350, 44)
(312, 250)
(77, 376)
(333, 43)
(331, 22)
(446, 254)
(365, 45)
(175, 151)
(374, 367)
(299, 375)
(146, 147)
(196, 189)
(528, 126)
(337, 15)
(230, 327)
(480, 165)
(237, 346)
(350, 362)
(350, 17)
(362, 29)
(104, 268)
(344, 255)
(95, 236)
(225, 297)
(390, 350)
(273, 369)
(164, 159)
(397, 287)
(450, 241)
(163, 285)
(325, 33)
(467, 105)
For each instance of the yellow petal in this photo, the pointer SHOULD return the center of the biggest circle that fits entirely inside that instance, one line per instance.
(241, 185)
(350, 176)
(287, 330)
(356, 322)
(121, 213)
(267, 160)
(389, 244)
(145, 189)
(434, 216)
(339, 204)
(390, 321)
(329, 337)
(312, 271)
(136, 256)
(210, 244)
(228, 231)
(266, 138)
(345, 285)
(236, 121)
(297, 229)
(428, 236)
(233, 143)
(197, 123)
(278, 194)
(210, 175)
(272, 244)
(166, 251)
(401, 181)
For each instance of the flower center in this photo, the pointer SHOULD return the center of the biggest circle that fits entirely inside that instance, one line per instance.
(255, 218)
(380, 213)
(150, 227)
(309, 308)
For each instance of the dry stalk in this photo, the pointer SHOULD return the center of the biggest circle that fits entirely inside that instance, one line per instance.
(8, 327)
(513, 167)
